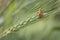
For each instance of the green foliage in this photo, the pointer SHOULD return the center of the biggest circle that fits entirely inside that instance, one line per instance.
(21, 20)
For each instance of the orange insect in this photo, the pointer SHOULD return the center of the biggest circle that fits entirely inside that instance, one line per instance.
(40, 13)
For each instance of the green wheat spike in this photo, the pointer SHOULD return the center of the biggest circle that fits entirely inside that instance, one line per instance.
(31, 28)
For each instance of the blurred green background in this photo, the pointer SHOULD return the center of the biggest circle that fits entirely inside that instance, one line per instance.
(14, 12)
